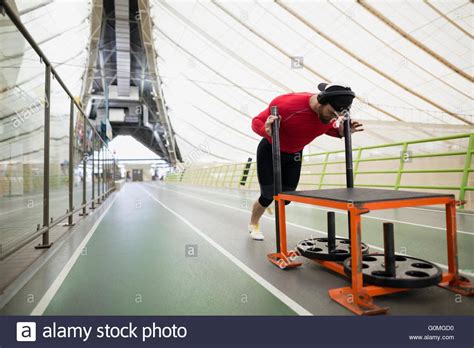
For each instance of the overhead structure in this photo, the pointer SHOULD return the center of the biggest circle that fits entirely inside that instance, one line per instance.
(410, 64)
(125, 91)
(182, 76)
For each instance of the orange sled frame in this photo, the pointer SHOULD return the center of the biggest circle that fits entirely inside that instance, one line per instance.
(357, 297)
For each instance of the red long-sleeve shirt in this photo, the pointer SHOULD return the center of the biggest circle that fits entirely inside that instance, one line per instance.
(299, 124)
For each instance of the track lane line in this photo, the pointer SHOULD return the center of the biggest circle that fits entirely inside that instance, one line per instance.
(464, 272)
(365, 217)
(56, 284)
(297, 308)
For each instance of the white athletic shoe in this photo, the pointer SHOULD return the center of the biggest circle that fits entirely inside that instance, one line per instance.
(255, 233)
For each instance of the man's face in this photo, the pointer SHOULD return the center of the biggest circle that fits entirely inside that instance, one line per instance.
(327, 114)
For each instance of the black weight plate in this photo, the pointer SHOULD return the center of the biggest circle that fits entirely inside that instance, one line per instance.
(410, 272)
(317, 248)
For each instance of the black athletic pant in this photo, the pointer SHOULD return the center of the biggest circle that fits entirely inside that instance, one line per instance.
(290, 171)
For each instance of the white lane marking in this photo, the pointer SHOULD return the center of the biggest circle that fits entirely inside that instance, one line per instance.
(365, 217)
(54, 287)
(464, 272)
(390, 220)
(256, 192)
(272, 289)
(439, 211)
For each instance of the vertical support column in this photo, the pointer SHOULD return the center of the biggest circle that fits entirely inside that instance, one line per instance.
(104, 171)
(226, 171)
(389, 249)
(467, 166)
(197, 176)
(108, 172)
(93, 171)
(400, 167)
(323, 171)
(112, 169)
(106, 175)
(71, 163)
(356, 254)
(200, 176)
(180, 177)
(282, 227)
(47, 111)
(276, 171)
(359, 155)
(452, 238)
(99, 148)
(282, 258)
(104, 159)
(349, 169)
(252, 176)
(84, 166)
(213, 171)
(112, 183)
(356, 298)
(233, 175)
(246, 171)
(348, 152)
(218, 174)
(207, 175)
(331, 217)
(456, 282)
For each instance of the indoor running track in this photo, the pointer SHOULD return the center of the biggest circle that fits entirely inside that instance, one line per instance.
(137, 262)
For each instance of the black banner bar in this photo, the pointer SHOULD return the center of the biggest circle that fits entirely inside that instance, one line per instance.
(236, 331)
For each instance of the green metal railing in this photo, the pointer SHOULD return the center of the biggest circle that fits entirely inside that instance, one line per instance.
(316, 167)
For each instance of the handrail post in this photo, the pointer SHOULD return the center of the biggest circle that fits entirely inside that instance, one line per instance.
(106, 175)
(47, 126)
(467, 166)
(225, 175)
(277, 183)
(349, 164)
(245, 173)
(219, 172)
(356, 169)
(71, 163)
(109, 170)
(85, 156)
(401, 166)
(93, 172)
(103, 171)
(201, 176)
(323, 172)
(252, 176)
(213, 180)
(104, 166)
(233, 175)
(207, 176)
(99, 150)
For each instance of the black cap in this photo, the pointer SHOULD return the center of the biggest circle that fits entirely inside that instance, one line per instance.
(338, 102)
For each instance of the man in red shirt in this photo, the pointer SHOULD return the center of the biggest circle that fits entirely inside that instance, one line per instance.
(304, 116)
